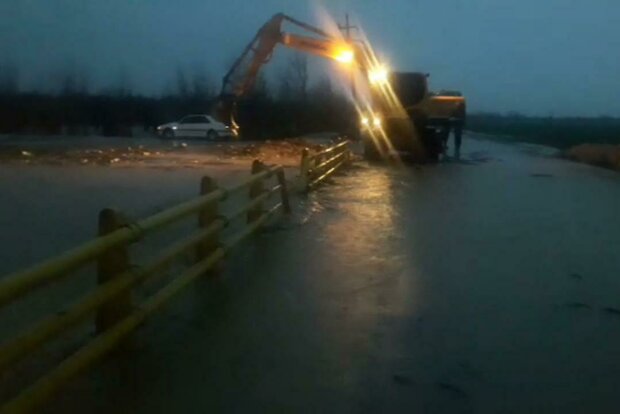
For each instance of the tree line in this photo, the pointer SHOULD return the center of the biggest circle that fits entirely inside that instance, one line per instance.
(289, 106)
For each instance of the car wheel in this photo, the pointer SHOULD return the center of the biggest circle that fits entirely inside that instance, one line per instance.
(212, 135)
(169, 133)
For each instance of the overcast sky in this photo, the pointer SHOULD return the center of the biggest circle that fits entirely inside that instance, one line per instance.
(559, 57)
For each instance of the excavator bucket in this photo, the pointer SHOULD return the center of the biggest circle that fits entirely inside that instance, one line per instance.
(225, 111)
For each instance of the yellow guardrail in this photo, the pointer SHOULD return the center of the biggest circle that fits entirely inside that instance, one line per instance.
(110, 302)
(316, 168)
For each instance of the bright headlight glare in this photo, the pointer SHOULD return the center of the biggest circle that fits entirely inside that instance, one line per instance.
(345, 56)
(376, 122)
(378, 75)
(365, 121)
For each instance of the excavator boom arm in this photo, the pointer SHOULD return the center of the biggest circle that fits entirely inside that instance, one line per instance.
(256, 53)
(241, 77)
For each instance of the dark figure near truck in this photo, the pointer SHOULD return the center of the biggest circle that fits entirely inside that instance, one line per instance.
(458, 137)
(457, 122)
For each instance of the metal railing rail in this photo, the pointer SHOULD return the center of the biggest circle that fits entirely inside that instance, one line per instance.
(116, 317)
(316, 168)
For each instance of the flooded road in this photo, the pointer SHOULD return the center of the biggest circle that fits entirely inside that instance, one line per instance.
(482, 285)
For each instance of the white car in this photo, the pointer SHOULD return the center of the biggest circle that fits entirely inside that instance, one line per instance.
(195, 126)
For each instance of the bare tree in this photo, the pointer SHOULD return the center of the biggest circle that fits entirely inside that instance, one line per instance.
(294, 78)
(123, 84)
(83, 82)
(182, 84)
(193, 82)
(285, 89)
(298, 66)
(322, 90)
(261, 86)
(201, 84)
(9, 79)
(72, 80)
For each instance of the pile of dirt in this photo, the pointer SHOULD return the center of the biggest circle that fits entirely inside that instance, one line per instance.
(106, 156)
(283, 152)
(607, 156)
(178, 154)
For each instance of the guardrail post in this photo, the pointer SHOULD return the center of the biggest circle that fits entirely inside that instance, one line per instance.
(304, 167)
(206, 217)
(347, 154)
(286, 205)
(111, 265)
(256, 189)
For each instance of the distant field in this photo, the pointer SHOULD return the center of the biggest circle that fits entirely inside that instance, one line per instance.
(561, 133)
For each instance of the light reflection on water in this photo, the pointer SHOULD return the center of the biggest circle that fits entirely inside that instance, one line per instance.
(361, 229)
(362, 272)
(364, 260)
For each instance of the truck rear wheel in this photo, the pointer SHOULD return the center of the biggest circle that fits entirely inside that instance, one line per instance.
(371, 152)
(433, 144)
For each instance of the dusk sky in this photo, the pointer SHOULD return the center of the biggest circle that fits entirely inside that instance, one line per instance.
(546, 57)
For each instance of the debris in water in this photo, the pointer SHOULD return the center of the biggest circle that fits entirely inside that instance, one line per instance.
(577, 305)
(455, 390)
(27, 153)
(470, 370)
(402, 380)
(612, 311)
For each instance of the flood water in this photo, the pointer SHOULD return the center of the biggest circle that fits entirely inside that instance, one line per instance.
(484, 285)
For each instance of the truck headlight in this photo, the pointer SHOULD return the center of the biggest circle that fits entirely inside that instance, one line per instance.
(376, 122)
(365, 121)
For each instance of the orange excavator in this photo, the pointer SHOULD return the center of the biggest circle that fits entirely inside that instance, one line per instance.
(242, 76)
(402, 115)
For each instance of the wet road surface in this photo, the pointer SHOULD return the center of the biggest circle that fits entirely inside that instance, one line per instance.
(485, 285)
